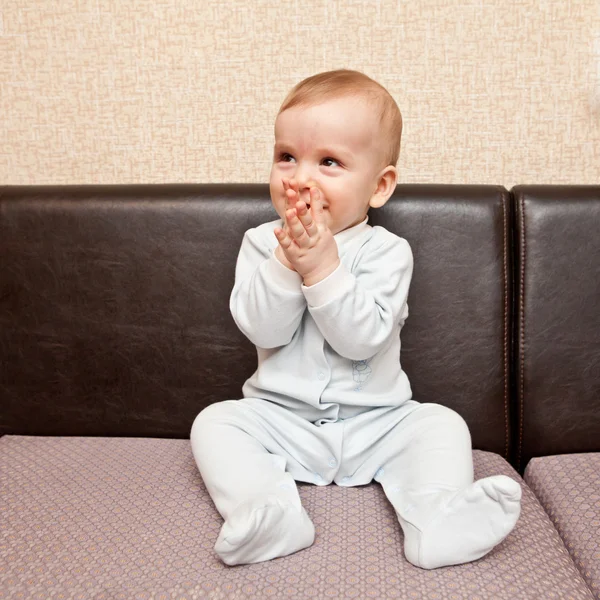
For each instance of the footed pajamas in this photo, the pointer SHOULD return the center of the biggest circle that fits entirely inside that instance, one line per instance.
(329, 402)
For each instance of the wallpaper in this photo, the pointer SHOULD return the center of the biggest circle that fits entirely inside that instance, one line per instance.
(102, 91)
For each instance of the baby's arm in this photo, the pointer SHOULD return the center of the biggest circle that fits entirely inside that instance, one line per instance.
(357, 312)
(266, 303)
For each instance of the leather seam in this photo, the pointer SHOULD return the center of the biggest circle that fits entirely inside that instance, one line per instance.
(505, 325)
(521, 394)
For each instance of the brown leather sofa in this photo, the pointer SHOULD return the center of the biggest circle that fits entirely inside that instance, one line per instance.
(115, 332)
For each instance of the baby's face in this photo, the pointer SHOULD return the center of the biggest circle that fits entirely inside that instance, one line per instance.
(331, 146)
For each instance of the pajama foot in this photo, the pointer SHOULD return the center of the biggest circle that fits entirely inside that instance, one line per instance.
(467, 525)
(259, 531)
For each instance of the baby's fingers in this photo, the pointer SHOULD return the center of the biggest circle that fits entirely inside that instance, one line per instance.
(285, 241)
(306, 218)
(286, 187)
(291, 194)
(316, 206)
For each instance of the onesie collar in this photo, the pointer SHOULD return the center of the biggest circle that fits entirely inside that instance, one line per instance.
(344, 237)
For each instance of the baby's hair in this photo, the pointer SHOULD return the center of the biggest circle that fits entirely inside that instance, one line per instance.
(343, 82)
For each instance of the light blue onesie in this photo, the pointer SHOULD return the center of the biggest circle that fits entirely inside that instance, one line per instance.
(331, 350)
(329, 402)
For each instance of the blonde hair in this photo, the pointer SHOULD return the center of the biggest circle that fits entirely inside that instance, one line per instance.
(343, 82)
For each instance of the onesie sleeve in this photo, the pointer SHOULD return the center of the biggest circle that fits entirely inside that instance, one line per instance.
(358, 311)
(266, 302)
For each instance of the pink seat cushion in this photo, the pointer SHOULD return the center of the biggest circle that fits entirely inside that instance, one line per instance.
(568, 487)
(111, 518)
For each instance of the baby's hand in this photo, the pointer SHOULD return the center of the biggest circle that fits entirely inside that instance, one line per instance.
(289, 203)
(306, 240)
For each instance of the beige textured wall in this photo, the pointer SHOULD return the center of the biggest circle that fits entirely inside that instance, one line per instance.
(99, 91)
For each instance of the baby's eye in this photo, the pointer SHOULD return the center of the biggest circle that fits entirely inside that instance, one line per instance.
(285, 157)
(330, 162)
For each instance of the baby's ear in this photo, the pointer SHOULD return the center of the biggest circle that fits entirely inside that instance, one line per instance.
(386, 184)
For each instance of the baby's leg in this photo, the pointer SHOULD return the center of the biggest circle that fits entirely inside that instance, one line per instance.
(426, 472)
(259, 501)
(446, 518)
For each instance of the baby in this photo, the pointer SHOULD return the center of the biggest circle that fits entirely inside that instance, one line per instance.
(323, 296)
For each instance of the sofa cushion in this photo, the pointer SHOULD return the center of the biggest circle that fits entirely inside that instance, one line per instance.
(568, 487)
(111, 518)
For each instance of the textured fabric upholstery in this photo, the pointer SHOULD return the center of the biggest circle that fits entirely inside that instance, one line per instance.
(568, 487)
(122, 518)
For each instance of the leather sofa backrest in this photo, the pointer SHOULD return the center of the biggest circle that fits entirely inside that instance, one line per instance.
(114, 316)
(456, 340)
(557, 321)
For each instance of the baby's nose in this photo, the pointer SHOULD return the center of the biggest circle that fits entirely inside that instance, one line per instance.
(304, 173)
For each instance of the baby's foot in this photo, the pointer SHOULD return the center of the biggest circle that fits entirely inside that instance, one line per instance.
(258, 531)
(468, 525)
